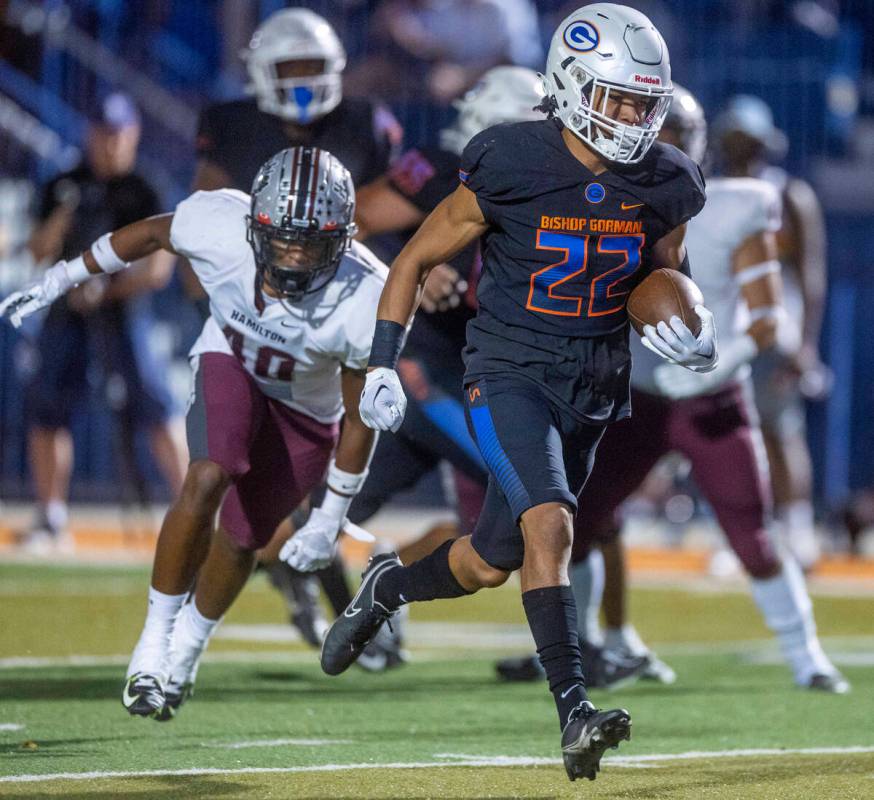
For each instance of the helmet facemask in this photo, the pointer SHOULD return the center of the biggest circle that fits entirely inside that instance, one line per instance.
(295, 61)
(616, 141)
(297, 261)
(302, 98)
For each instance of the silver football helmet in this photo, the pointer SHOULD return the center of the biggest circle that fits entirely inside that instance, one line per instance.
(503, 94)
(686, 117)
(295, 34)
(597, 52)
(301, 222)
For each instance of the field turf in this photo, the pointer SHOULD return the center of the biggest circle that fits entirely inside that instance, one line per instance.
(266, 723)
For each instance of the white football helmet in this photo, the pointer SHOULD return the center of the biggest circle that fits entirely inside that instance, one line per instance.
(599, 50)
(687, 117)
(295, 34)
(503, 94)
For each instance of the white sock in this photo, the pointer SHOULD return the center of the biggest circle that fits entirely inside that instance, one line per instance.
(150, 654)
(190, 638)
(799, 531)
(785, 605)
(587, 581)
(55, 515)
(625, 638)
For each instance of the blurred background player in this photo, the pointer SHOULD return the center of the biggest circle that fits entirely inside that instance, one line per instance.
(708, 418)
(102, 328)
(295, 62)
(279, 360)
(746, 140)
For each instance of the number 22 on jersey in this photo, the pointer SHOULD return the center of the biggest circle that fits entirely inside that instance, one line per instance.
(605, 293)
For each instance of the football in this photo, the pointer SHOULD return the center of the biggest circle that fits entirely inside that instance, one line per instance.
(662, 294)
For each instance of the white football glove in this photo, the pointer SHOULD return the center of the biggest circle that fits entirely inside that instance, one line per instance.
(37, 295)
(314, 545)
(677, 344)
(383, 402)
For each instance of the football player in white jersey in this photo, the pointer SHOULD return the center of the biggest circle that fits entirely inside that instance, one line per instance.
(282, 356)
(710, 418)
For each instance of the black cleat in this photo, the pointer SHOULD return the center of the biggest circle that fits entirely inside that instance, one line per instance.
(833, 683)
(361, 621)
(521, 669)
(143, 696)
(301, 593)
(175, 697)
(588, 733)
(603, 669)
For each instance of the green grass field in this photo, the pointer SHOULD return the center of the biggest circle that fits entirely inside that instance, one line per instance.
(265, 722)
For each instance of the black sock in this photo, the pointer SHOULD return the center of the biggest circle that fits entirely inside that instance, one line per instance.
(427, 579)
(552, 617)
(333, 580)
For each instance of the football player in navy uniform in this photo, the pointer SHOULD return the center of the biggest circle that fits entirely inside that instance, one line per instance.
(431, 369)
(572, 212)
(295, 62)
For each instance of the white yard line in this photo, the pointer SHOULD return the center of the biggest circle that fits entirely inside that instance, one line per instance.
(474, 761)
(11, 726)
(275, 743)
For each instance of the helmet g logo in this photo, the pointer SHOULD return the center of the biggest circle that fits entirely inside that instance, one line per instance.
(581, 36)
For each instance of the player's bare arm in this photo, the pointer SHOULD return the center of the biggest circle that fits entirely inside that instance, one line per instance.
(669, 252)
(382, 209)
(454, 224)
(757, 270)
(111, 253)
(807, 250)
(356, 441)
(314, 546)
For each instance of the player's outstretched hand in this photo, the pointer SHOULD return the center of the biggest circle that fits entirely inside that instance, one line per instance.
(383, 402)
(314, 545)
(677, 344)
(37, 295)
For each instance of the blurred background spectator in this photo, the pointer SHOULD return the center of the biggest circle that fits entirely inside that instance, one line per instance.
(805, 59)
(97, 338)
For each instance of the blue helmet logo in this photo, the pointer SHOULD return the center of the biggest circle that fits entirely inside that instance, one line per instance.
(595, 192)
(581, 36)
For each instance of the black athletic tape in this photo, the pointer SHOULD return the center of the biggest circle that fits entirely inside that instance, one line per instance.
(388, 341)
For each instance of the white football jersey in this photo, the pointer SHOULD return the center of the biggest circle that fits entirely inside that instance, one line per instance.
(736, 208)
(294, 351)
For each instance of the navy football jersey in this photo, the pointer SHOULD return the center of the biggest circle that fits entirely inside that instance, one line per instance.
(563, 251)
(239, 137)
(425, 176)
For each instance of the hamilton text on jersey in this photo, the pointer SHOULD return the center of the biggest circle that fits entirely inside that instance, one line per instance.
(237, 316)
